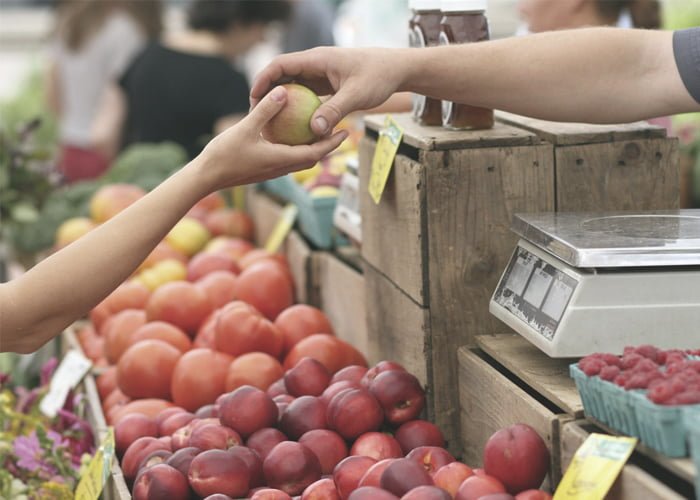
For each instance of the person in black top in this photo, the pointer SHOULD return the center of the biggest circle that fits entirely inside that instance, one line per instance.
(185, 88)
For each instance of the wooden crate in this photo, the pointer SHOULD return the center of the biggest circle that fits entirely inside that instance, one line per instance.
(630, 166)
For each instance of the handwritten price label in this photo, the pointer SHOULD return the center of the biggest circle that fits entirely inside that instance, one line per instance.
(594, 468)
(97, 473)
(282, 228)
(387, 146)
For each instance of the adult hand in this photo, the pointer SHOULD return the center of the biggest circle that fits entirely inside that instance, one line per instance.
(355, 79)
(240, 155)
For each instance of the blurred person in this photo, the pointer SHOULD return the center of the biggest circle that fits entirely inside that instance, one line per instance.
(310, 25)
(185, 87)
(42, 302)
(94, 42)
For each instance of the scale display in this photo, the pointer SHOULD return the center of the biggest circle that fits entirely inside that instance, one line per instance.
(535, 292)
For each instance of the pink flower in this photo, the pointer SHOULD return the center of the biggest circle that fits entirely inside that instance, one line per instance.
(31, 457)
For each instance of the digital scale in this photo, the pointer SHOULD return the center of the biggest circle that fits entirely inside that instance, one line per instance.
(580, 283)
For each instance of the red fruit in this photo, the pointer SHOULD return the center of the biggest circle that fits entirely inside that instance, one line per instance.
(150, 407)
(476, 487)
(400, 395)
(174, 422)
(336, 388)
(106, 382)
(304, 414)
(254, 463)
(161, 481)
(277, 388)
(518, 457)
(381, 367)
(132, 427)
(270, 494)
(266, 286)
(203, 264)
(136, 452)
(419, 433)
(154, 458)
(160, 330)
(256, 368)
(497, 496)
(241, 329)
(214, 436)
(308, 378)
(323, 489)
(263, 441)
(218, 471)
(377, 445)
(328, 446)
(145, 369)
(128, 295)
(449, 477)
(179, 303)
(284, 398)
(332, 352)
(348, 473)
(374, 474)
(199, 378)
(352, 373)
(207, 411)
(533, 495)
(431, 458)
(609, 373)
(353, 412)
(247, 409)
(219, 287)
(182, 459)
(402, 475)
(371, 493)
(427, 493)
(117, 332)
(229, 222)
(291, 467)
(300, 321)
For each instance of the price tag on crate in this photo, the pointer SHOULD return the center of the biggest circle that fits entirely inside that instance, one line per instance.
(282, 228)
(93, 482)
(595, 466)
(238, 196)
(71, 371)
(387, 146)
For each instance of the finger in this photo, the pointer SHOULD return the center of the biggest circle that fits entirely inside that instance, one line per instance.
(329, 114)
(269, 106)
(297, 156)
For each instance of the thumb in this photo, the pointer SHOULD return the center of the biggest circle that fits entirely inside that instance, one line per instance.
(268, 107)
(329, 114)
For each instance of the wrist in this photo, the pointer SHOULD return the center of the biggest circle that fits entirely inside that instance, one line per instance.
(200, 175)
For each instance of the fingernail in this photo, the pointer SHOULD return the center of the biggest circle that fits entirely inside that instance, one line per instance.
(278, 94)
(321, 124)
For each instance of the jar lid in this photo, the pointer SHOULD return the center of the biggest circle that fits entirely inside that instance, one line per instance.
(424, 4)
(463, 5)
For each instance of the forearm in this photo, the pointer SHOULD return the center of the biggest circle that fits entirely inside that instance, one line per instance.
(68, 284)
(599, 75)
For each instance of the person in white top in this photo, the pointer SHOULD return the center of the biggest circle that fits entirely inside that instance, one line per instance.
(93, 44)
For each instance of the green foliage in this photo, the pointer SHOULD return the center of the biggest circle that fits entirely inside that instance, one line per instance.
(146, 165)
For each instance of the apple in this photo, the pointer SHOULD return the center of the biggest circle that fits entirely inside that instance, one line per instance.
(374, 474)
(417, 433)
(337, 387)
(352, 373)
(353, 412)
(254, 463)
(136, 452)
(533, 495)
(377, 445)
(328, 446)
(182, 459)
(475, 487)
(427, 493)
(449, 477)
(323, 489)
(432, 458)
(404, 474)
(291, 467)
(308, 378)
(161, 481)
(381, 367)
(518, 457)
(292, 125)
(270, 494)
(348, 473)
(214, 436)
(218, 471)
(263, 441)
(304, 414)
(247, 409)
(371, 493)
(400, 395)
(132, 427)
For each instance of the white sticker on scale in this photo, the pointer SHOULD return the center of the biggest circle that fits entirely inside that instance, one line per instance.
(537, 289)
(557, 299)
(520, 273)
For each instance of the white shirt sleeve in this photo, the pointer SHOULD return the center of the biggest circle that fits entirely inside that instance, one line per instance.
(123, 40)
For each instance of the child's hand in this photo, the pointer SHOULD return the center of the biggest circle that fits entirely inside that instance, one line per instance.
(240, 155)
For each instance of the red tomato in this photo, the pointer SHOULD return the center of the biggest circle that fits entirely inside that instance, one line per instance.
(199, 378)
(106, 382)
(179, 303)
(300, 321)
(118, 330)
(160, 330)
(330, 351)
(220, 287)
(256, 368)
(241, 329)
(267, 287)
(150, 407)
(129, 295)
(145, 369)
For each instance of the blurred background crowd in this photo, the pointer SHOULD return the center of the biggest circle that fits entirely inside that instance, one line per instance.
(128, 90)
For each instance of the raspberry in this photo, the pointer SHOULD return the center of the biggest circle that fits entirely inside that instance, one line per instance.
(645, 365)
(641, 380)
(611, 359)
(609, 372)
(621, 379)
(630, 360)
(592, 367)
(648, 351)
(661, 392)
(685, 398)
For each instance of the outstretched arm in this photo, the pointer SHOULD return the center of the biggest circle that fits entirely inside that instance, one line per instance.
(57, 291)
(600, 75)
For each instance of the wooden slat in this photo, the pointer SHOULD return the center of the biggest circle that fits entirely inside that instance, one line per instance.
(489, 401)
(548, 376)
(627, 175)
(566, 133)
(299, 257)
(393, 232)
(265, 213)
(430, 138)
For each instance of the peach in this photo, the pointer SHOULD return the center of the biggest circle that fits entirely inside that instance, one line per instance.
(323, 489)
(353, 412)
(307, 378)
(327, 445)
(377, 445)
(381, 367)
(337, 387)
(291, 467)
(432, 458)
(304, 414)
(132, 427)
(270, 494)
(235, 247)
(292, 125)
(264, 440)
(373, 475)
(154, 458)
(348, 473)
(352, 373)
(73, 229)
(136, 452)
(174, 422)
(163, 251)
(475, 487)
(417, 433)
(258, 369)
(247, 409)
(111, 199)
(218, 471)
(371, 493)
(533, 495)
(182, 459)
(404, 474)
(254, 463)
(427, 493)
(230, 222)
(213, 436)
(276, 388)
(161, 481)
(449, 477)
(207, 411)
(400, 394)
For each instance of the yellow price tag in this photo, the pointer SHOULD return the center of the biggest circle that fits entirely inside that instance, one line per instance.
(238, 196)
(595, 466)
(98, 470)
(387, 146)
(282, 228)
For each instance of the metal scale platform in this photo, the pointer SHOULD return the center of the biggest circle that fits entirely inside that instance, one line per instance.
(580, 283)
